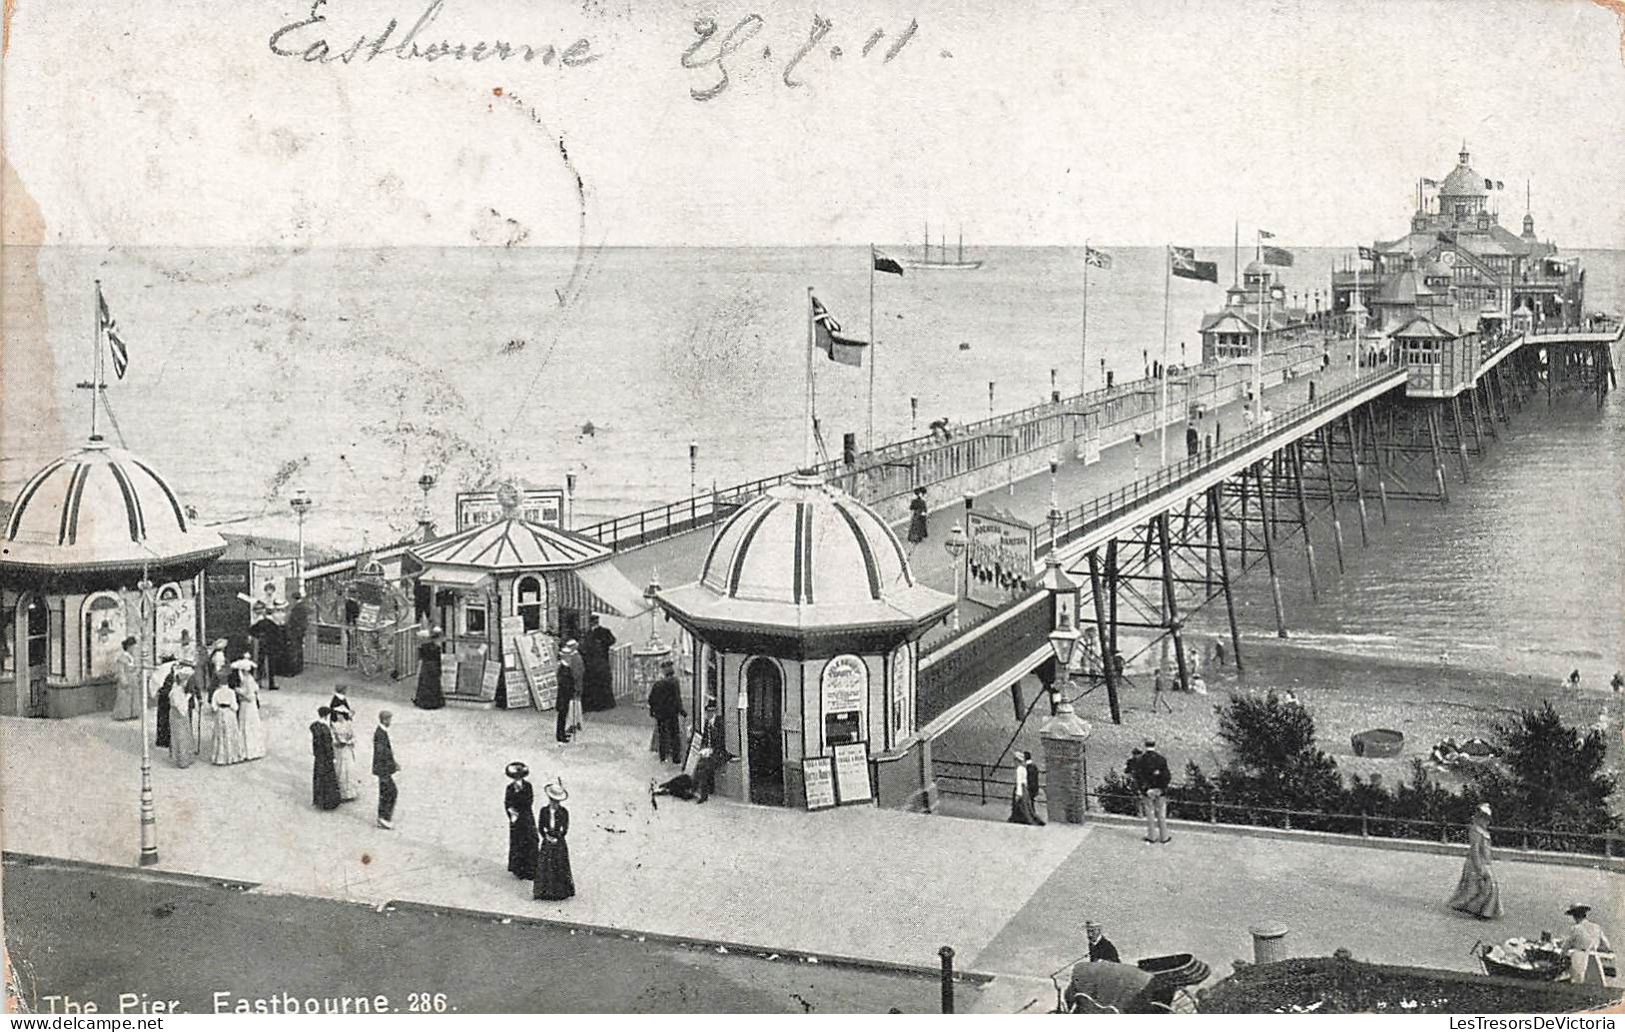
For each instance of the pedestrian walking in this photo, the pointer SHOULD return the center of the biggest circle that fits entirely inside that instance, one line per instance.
(345, 768)
(565, 696)
(127, 698)
(1101, 949)
(519, 800)
(1024, 793)
(918, 530)
(228, 738)
(340, 702)
(384, 768)
(250, 729)
(1154, 779)
(324, 780)
(267, 635)
(666, 707)
(177, 702)
(429, 694)
(164, 678)
(554, 879)
(712, 753)
(1477, 892)
(571, 655)
(598, 687)
(214, 671)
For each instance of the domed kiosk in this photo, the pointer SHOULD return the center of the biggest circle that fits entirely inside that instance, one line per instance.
(78, 539)
(806, 622)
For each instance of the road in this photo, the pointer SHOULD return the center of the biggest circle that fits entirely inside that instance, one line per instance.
(113, 938)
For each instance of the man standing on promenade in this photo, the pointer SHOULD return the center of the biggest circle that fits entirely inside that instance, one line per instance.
(1100, 947)
(666, 706)
(384, 769)
(1152, 774)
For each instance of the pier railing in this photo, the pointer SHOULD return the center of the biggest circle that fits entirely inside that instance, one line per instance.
(897, 468)
(991, 783)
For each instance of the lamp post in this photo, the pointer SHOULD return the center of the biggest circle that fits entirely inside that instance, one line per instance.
(149, 815)
(301, 504)
(425, 521)
(955, 547)
(649, 595)
(1064, 734)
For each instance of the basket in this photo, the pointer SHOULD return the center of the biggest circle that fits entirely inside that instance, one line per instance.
(1378, 743)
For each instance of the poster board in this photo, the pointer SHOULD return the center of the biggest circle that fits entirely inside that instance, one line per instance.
(540, 664)
(852, 774)
(370, 618)
(544, 505)
(999, 561)
(278, 574)
(843, 689)
(513, 628)
(448, 671)
(488, 682)
(818, 775)
(470, 669)
(691, 762)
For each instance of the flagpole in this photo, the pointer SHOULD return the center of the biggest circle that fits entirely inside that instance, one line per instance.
(810, 453)
(1167, 294)
(1258, 360)
(95, 357)
(1235, 256)
(873, 346)
(1083, 344)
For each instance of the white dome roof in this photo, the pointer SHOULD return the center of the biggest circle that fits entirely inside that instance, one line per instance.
(96, 508)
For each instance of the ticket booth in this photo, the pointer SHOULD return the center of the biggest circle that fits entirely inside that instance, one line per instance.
(805, 623)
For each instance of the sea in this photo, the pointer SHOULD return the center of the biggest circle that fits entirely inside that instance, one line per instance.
(350, 373)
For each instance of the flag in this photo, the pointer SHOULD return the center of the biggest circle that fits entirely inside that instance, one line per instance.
(1099, 259)
(1185, 265)
(1265, 234)
(884, 264)
(1367, 254)
(1500, 185)
(1276, 255)
(826, 335)
(115, 344)
(1430, 182)
(1489, 184)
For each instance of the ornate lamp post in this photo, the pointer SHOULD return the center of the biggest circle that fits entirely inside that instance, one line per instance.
(955, 547)
(301, 504)
(149, 815)
(649, 594)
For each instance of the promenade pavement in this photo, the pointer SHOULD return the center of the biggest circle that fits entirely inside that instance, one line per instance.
(854, 882)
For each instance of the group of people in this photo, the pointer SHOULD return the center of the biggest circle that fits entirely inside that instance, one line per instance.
(1617, 682)
(336, 772)
(538, 844)
(183, 691)
(666, 706)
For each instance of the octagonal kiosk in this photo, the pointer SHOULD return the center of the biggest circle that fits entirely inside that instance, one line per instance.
(81, 535)
(806, 622)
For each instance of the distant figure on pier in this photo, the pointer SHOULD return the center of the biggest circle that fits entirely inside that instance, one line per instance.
(1136, 455)
(1193, 442)
(1574, 679)
(1269, 416)
(917, 529)
(588, 430)
(939, 428)
(1218, 653)
(1247, 415)
(1618, 682)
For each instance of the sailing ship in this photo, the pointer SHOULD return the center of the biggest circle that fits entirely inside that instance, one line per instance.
(925, 261)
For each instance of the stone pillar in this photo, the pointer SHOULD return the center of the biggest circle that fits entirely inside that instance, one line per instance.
(1269, 943)
(1064, 736)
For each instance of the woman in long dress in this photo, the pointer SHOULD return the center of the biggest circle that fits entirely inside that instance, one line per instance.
(248, 710)
(344, 761)
(553, 877)
(166, 685)
(228, 738)
(1476, 892)
(127, 700)
(429, 695)
(918, 529)
(520, 802)
(178, 701)
(324, 782)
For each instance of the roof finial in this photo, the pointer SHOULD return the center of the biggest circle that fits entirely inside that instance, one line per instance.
(1464, 154)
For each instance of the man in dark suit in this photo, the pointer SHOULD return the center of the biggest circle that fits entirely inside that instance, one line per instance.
(666, 706)
(1100, 947)
(712, 753)
(1153, 777)
(569, 684)
(384, 769)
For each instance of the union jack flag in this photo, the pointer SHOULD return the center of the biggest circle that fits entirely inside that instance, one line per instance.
(1185, 266)
(827, 338)
(1099, 259)
(115, 344)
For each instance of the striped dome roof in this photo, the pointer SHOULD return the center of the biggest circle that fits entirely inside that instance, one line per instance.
(100, 507)
(806, 543)
(512, 544)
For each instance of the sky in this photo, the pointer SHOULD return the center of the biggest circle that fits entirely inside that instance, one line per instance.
(1027, 124)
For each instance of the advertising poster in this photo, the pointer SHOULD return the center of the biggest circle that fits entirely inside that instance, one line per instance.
(852, 774)
(999, 561)
(818, 775)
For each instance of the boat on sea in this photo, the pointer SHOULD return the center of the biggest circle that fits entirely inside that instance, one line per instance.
(925, 261)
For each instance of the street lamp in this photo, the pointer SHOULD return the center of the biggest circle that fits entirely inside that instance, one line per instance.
(649, 595)
(301, 504)
(955, 547)
(149, 815)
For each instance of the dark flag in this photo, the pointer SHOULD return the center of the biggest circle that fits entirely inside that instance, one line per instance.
(884, 264)
(1265, 234)
(1430, 182)
(1099, 259)
(115, 344)
(1367, 254)
(1489, 184)
(826, 335)
(1185, 266)
(1276, 256)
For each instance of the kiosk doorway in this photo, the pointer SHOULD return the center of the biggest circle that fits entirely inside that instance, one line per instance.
(764, 686)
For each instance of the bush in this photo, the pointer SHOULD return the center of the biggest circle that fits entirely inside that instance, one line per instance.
(1333, 985)
(1552, 777)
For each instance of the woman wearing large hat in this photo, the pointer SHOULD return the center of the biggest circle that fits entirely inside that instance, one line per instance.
(520, 801)
(553, 877)
(1477, 893)
(429, 694)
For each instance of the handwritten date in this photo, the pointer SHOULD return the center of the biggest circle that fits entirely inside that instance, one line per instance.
(712, 55)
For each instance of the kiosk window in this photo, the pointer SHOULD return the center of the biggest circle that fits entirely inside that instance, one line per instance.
(474, 618)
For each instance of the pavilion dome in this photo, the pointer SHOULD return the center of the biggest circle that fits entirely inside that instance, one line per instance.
(100, 508)
(1463, 181)
(807, 555)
